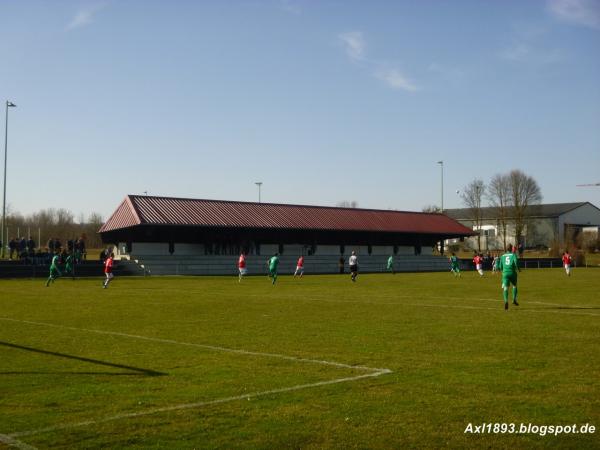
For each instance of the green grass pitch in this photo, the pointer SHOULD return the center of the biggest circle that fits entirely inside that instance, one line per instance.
(392, 361)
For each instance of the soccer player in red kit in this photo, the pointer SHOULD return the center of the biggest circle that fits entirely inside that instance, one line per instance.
(567, 261)
(108, 270)
(299, 267)
(242, 267)
(478, 260)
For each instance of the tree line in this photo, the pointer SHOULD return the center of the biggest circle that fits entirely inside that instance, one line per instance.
(53, 223)
(509, 195)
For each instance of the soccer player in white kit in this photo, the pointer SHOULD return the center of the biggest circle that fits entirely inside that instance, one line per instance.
(353, 263)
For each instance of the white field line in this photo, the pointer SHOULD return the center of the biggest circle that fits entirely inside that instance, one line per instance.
(12, 442)
(204, 346)
(196, 405)
(498, 300)
(440, 305)
(374, 372)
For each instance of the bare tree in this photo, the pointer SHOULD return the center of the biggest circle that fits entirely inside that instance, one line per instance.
(56, 223)
(472, 196)
(431, 209)
(92, 226)
(524, 192)
(499, 196)
(347, 204)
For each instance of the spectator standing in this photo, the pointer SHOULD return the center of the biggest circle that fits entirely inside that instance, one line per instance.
(30, 245)
(22, 248)
(12, 247)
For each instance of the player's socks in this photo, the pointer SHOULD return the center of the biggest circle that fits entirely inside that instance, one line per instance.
(505, 295)
(515, 296)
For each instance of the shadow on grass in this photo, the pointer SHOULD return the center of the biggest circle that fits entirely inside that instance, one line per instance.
(572, 307)
(58, 372)
(148, 372)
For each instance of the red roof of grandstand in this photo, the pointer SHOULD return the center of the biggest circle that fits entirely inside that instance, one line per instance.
(148, 210)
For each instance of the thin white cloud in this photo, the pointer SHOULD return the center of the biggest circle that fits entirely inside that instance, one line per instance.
(576, 12)
(354, 44)
(523, 52)
(396, 79)
(528, 45)
(516, 52)
(290, 6)
(448, 72)
(84, 16)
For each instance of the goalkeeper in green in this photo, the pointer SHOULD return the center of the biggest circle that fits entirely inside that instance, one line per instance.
(509, 265)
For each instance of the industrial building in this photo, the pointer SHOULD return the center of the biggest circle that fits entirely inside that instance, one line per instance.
(546, 224)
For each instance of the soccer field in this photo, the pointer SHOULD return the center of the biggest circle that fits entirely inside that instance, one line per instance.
(391, 361)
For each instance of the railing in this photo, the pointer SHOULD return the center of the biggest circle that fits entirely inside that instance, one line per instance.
(21, 269)
(529, 263)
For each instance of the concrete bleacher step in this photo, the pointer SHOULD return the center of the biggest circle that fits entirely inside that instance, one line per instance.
(227, 264)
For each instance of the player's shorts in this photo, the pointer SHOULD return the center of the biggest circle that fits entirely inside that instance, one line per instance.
(454, 268)
(508, 279)
(243, 271)
(109, 275)
(272, 272)
(54, 273)
(300, 269)
(567, 266)
(354, 268)
(478, 266)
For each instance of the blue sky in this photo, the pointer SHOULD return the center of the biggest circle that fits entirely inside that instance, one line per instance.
(322, 101)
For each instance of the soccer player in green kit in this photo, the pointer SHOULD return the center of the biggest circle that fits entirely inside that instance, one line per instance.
(390, 264)
(509, 265)
(69, 265)
(273, 263)
(54, 270)
(454, 268)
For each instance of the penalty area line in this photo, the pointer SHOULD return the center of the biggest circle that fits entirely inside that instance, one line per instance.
(12, 442)
(196, 405)
(374, 372)
(204, 346)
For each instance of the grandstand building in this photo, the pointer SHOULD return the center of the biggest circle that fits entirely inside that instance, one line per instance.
(178, 235)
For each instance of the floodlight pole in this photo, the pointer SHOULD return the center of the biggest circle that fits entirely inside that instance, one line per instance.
(259, 184)
(441, 163)
(12, 105)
